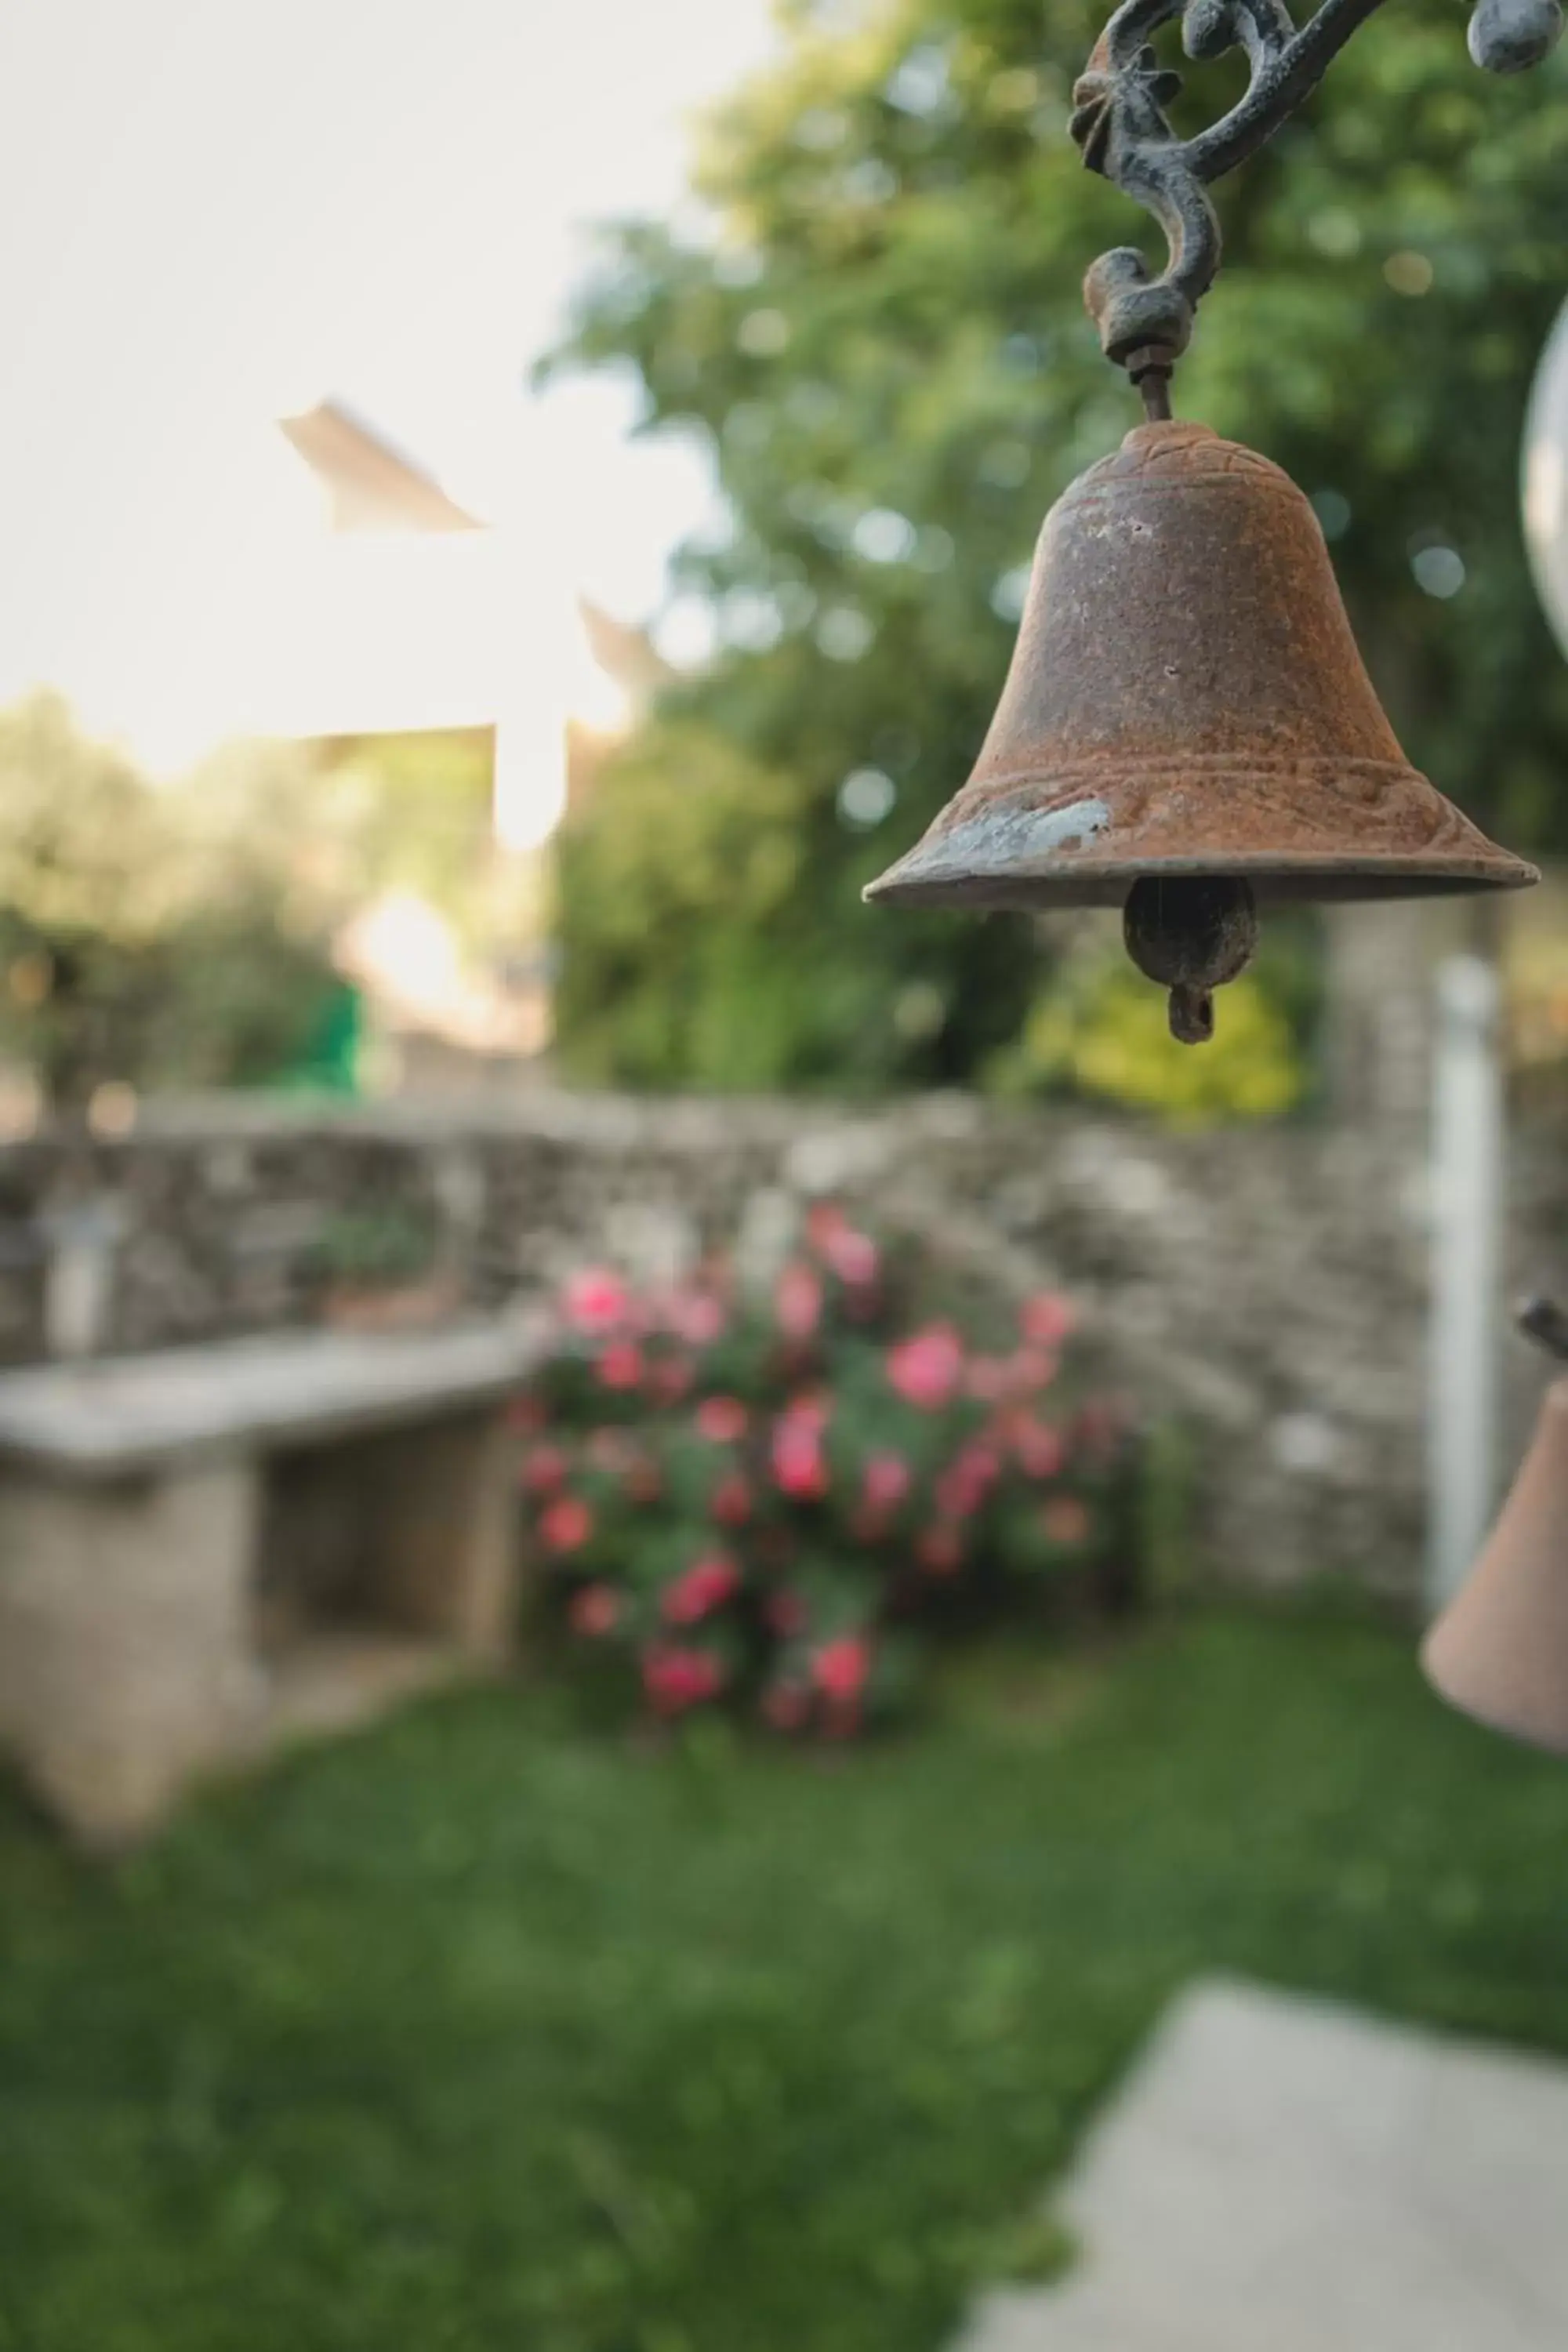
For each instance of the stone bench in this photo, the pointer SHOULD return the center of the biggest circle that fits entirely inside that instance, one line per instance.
(207, 1551)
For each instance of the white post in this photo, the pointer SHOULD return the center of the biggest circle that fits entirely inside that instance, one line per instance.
(1466, 1272)
(79, 1278)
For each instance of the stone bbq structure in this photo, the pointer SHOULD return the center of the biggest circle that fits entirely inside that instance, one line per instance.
(209, 1552)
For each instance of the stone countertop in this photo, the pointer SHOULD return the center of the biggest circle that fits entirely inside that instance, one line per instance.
(122, 1416)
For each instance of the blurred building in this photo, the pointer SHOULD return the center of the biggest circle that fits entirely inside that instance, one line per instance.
(433, 626)
(369, 484)
(632, 673)
(414, 616)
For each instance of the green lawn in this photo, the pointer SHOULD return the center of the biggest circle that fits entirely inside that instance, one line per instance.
(483, 2033)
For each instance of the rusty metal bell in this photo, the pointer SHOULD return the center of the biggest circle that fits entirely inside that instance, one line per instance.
(1499, 1651)
(1187, 727)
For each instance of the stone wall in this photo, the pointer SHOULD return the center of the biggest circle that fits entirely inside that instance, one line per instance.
(1267, 1286)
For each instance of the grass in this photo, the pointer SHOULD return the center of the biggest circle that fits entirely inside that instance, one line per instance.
(482, 2033)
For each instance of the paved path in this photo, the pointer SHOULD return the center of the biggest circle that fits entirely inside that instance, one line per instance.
(1281, 2176)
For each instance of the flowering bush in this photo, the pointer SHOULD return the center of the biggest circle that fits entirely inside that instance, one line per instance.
(763, 1504)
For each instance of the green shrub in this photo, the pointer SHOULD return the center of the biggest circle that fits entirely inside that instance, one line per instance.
(158, 937)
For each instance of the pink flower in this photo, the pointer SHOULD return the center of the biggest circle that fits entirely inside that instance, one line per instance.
(839, 1668)
(927, 1369)
(1066, 1519)
(596, 1299)
(824, 1219)
(800, 1465)
(786, 1612)
(956, 1498)
(543, 1469)
(885, 1480)
(940, 1550)
(980, 1463)
(853, 1256)
(595, 1610)
(1047, 1318)
(676, 1678)
(723, 1419)
(706, 1585)
(567, 1525)
(967, 1480)
(798, 1301)
(731, 1502)
(1033, 1368)
(1039, 1448)
(786, 1705)
(620, 1365)
(696, 1316)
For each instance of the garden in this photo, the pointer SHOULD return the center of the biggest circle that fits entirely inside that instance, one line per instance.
(742, 1974)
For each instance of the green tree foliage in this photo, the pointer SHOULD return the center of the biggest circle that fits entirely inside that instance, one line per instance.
(159, 937)
(879, 331)
(1114, 1040)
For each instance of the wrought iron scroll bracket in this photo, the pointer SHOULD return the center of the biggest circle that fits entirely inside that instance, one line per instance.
(1120, 123)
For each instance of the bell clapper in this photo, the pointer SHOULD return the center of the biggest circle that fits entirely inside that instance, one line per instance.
(1191, 934)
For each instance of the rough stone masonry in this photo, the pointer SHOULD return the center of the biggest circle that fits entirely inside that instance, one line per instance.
(1264, 1285)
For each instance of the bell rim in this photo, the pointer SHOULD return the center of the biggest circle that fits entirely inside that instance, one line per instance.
(1446, 1677)
(1279, 880)
(1155, 724)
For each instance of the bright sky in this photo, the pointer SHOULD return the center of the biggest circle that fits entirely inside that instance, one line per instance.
(214, 211)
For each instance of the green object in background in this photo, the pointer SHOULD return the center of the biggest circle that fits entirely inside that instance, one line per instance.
(330, 1062)
(1103, 1033)
(164, 937)
(478, 2031)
